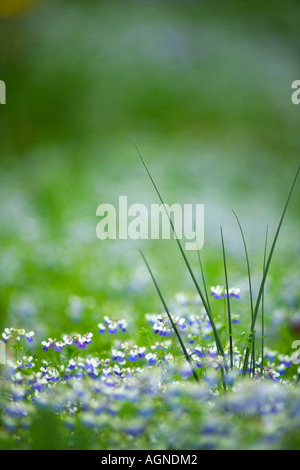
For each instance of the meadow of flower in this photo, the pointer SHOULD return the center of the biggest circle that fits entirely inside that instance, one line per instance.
(144, 396)
(190, 381)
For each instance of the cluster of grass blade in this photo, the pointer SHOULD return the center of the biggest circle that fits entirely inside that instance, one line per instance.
(202, 297)
(267, 262)
(250, 344)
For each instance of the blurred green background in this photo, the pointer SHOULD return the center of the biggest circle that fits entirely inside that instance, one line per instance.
(204, 87)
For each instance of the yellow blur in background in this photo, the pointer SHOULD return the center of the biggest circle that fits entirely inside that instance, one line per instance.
(14, 7)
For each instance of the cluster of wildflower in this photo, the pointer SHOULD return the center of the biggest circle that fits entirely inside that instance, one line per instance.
(275, 365)
(199, 326)
(89, 392)
(136, 384)
(17, 334)
(112, 326)
(190, 326)
(162, 346)
(128, 352)
(204, 357)
(220, 291)
(162, 326)
(53, 343)
(80, 341)
(25, 363)
(151, 358)
(77, 367)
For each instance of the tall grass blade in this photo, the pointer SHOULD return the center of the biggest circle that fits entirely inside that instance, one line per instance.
(265, 274)
(263, 309)
(203, 279)
(253, 361)
(171, 320)
(228, 302)
(248, 265)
